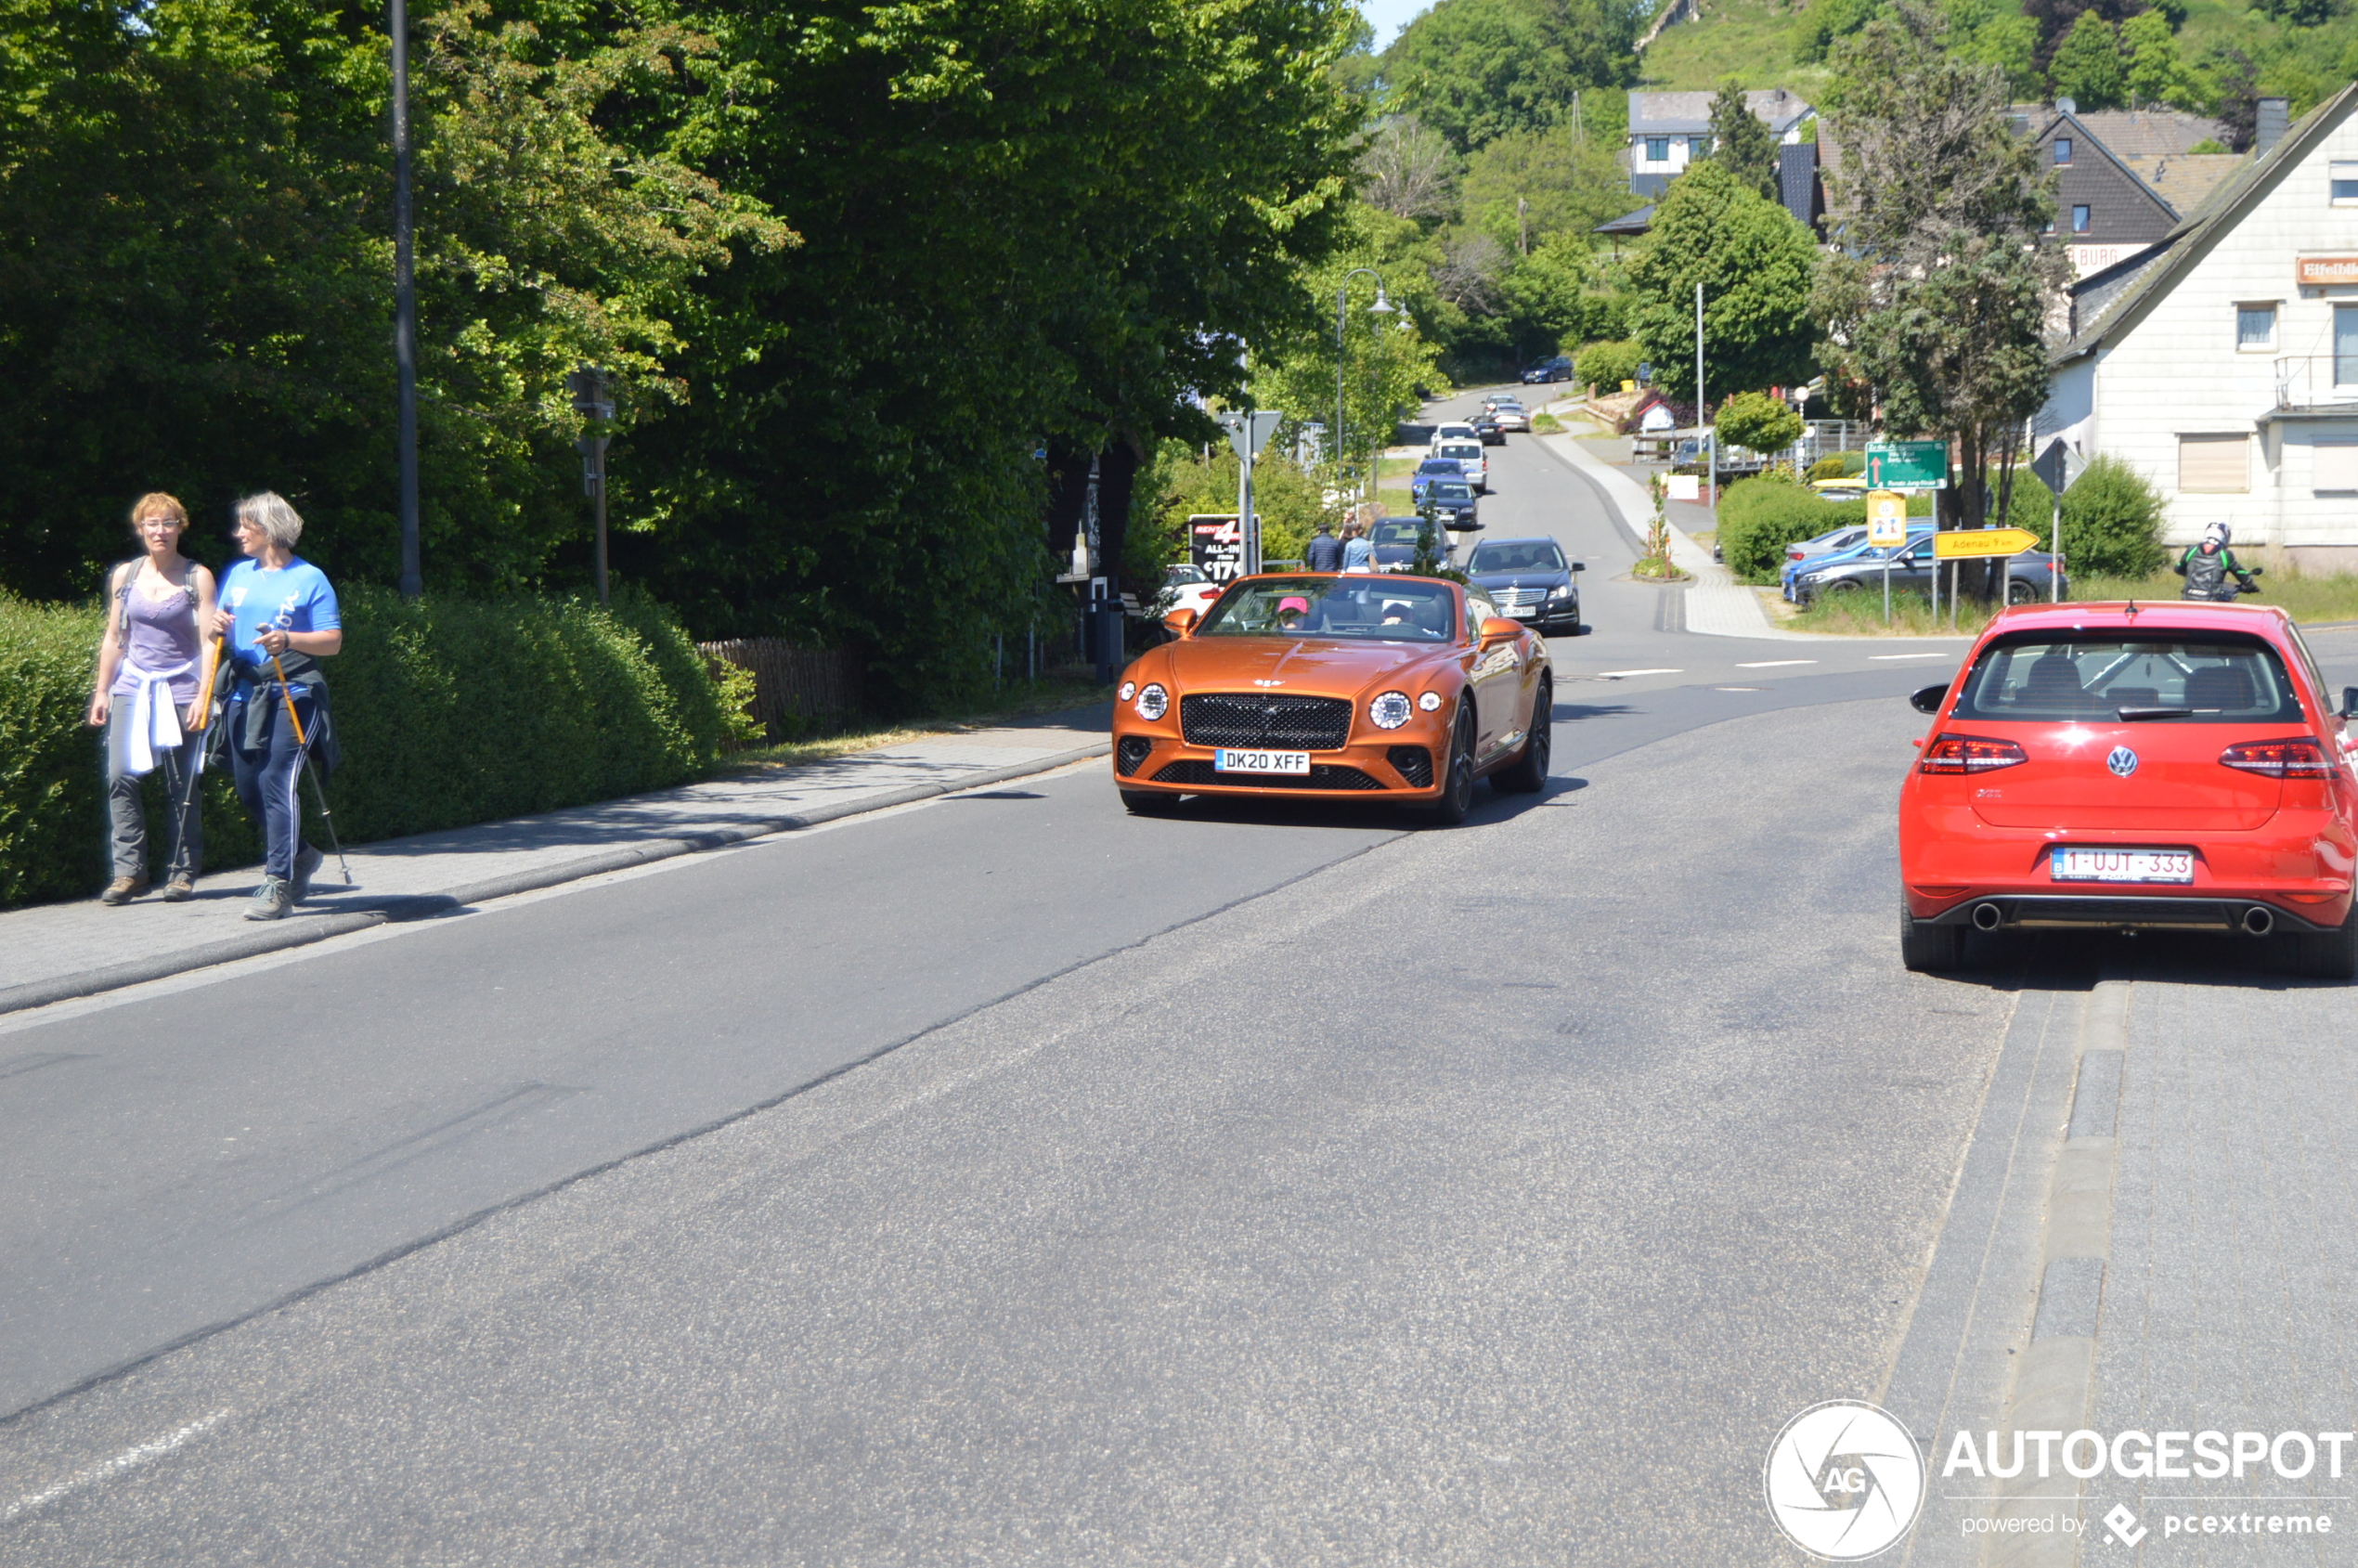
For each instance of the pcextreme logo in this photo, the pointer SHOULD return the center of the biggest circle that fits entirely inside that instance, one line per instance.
(1845, 1481)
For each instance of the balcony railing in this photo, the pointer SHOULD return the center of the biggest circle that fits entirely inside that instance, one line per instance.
(2317, 381)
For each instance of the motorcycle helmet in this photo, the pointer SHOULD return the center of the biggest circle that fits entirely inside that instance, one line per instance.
(2215, 536)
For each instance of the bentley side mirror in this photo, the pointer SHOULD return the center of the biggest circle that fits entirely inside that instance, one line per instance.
(1927, 699)
(1180, 623)
(1498, 629)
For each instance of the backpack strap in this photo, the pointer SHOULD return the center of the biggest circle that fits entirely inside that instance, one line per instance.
(121, 578)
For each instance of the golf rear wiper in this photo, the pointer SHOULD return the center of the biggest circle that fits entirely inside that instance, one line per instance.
(2130, 715)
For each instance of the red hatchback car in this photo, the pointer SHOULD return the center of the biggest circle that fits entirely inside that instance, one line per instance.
(2159, 766)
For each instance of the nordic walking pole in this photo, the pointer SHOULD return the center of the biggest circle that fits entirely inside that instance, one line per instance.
(327, 818)
(210, 675)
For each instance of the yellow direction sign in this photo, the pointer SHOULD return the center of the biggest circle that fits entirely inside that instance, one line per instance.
(1966, 544)
(1887, 518)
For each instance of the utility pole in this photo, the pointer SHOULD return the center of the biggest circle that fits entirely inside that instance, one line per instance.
(1711, 489)
(405, 304)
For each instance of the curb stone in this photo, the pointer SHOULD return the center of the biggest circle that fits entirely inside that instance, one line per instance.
(2055, 1383)
(285, 935)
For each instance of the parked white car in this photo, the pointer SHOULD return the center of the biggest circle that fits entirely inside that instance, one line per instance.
(1468, 455)
(1454, 432)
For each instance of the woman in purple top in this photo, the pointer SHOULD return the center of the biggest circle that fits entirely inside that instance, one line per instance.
(144, 698)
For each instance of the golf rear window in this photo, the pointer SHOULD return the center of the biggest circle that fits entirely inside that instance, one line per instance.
(2164, 676)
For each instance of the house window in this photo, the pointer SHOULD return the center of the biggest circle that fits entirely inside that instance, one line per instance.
(2335, 468)
(1698, 146)
(2345, 183)
(2346, 346)
(2080, 220)
(2255, 326)
(1657, 149)
(2063, 151)
(2213, 465)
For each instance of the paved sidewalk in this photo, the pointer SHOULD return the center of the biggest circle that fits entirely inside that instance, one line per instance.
(54, 951)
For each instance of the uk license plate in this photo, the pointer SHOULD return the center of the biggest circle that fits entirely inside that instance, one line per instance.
(1234, 760)
(2121, 865)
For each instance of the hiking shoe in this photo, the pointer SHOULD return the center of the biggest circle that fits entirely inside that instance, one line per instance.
(271, 901)
(179, 890)
(307, 862)
(122, 889)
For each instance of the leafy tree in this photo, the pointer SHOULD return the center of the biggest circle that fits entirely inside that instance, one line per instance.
(1986, 33)
(2088, 68)
(2055, 19)
(1476, 70)
(2156, 74)
(1527, 184)
(1742, 142)
(1607, 365)
(1942, 298)
(1826, 23)
(2300, 13)
(2237, 84)
(1557, 295)
(1758, 422)
(1755, 264)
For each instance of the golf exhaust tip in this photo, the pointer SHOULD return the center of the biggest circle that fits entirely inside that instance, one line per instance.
(2259, 921)
(1987, 917)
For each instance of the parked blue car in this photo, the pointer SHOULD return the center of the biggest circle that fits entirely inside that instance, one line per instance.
(1918, 527)
(1446, 468)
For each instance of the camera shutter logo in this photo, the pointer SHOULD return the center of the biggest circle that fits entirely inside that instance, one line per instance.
(1844, 1480)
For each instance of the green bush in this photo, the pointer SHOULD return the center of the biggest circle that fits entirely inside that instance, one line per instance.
(2112, 523)
(1606, 365)
(1835, 465)
(448, 712)
(1759, 517)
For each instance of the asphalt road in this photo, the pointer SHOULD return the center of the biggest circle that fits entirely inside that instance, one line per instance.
(1006, 1179)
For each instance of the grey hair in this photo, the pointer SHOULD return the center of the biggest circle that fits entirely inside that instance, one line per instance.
(270, 512)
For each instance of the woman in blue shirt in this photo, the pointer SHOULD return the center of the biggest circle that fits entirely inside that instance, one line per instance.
(280, 617)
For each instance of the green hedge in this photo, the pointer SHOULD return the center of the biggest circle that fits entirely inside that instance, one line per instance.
(449, 712)
(1759, 517)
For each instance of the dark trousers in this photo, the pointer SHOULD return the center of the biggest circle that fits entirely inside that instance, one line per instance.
(269, 773)
(127, 810)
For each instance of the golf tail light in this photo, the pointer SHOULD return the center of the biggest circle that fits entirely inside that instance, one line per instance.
(1969, 754)
(1153, 702)
(1390, 711)
(2278, 760)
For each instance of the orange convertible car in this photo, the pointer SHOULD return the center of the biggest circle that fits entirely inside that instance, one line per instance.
(1371, 687)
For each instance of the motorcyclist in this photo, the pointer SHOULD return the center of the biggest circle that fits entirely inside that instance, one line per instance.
(2208, 565)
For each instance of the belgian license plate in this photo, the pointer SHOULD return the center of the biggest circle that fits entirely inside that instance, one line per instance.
(1228, 761)
(2121, 865)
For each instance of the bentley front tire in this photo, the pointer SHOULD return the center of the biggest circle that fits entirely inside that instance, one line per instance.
(1458, 778)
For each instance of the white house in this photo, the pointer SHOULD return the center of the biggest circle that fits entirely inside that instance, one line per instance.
(1668, 131)
(2223, 361)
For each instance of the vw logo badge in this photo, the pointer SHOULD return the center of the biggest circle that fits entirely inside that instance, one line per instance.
(2122, 762)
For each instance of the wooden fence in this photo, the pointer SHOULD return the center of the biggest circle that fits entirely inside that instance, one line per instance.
(795, 690)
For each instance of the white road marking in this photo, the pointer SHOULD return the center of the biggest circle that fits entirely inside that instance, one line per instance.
(1617, 674)
(130, 1459)
(1912, 655)
(1735, 688)
(1774, 664)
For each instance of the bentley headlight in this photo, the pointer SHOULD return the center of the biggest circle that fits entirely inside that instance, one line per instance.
(1390, 711)
(1153, 702)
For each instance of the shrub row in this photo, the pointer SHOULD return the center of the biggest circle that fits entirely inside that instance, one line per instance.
(449, 712)
(1759, 517)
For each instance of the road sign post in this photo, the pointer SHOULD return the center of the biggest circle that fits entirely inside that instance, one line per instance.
(1887, 530)
(2056, 468)
(1249, 430)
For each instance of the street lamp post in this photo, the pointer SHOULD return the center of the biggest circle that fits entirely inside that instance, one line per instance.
(405, 304)
(1382, 307)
